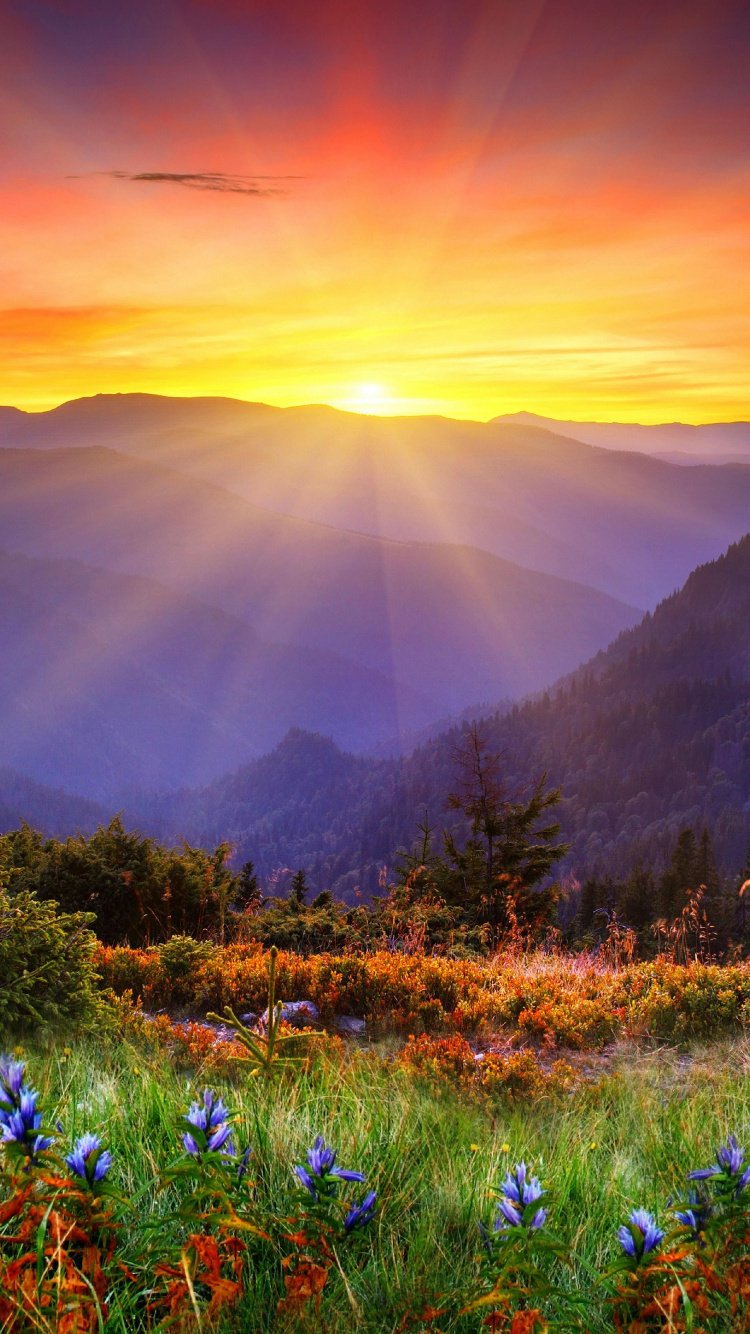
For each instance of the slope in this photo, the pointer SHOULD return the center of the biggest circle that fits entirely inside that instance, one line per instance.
(650, 736)
(714, 442)
(630, 525)
(445, 624)
(109, 680)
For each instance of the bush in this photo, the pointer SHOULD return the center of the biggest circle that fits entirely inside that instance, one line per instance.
(46, 961)
(509, 1078)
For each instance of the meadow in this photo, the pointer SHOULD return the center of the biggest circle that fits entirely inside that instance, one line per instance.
(170, 1238)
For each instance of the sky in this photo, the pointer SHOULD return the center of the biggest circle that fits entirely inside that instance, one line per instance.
(466, 207)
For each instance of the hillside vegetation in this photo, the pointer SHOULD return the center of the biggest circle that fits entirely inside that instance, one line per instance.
(651, 736)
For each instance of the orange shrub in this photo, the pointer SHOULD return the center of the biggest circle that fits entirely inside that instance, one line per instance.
(570, 1002)
(516, 1076)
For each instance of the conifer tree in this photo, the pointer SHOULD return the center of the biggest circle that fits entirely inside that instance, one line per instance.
(298, 891)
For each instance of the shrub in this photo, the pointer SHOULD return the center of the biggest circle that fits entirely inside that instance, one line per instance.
(516, 1076)
(46, 961)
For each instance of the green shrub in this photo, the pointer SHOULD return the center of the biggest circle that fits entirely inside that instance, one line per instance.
(46, 961)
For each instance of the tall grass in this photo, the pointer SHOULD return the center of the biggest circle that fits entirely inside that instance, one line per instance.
(628, 1140)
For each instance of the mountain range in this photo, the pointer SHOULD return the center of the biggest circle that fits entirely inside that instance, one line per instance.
(648, 737)
(616, 520)
(184, 580)
(674, 442)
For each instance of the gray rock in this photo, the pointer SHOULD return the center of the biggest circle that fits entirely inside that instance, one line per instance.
(298, 1014)
(346, 1023)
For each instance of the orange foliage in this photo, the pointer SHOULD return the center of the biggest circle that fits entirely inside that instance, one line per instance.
(551, 999)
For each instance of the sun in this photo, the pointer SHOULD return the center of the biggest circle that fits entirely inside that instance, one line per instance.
(370, 393)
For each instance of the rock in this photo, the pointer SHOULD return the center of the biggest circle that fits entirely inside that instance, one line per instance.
(298, 1014)
(248, 1019)
(346, 1023)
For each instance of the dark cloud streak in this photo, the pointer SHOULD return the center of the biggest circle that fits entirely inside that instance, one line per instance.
(201, 180)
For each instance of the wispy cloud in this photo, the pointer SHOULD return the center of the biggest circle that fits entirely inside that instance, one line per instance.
(201, 180)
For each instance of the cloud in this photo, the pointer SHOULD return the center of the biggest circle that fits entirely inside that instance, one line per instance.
(201, 180)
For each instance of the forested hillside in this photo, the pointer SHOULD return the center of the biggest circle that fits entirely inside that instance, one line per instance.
(649, 737)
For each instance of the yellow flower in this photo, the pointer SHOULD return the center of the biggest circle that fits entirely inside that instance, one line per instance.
(136, 1071)
(505, 1148)
(474, 1148)
(592, 1145)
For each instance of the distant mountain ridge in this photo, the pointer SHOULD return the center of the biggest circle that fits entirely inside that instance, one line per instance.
(627, 524)
(442, 623)
(716, 442)
(109, 681)
(651, 735)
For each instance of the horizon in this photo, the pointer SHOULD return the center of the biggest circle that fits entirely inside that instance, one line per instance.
(371, 412)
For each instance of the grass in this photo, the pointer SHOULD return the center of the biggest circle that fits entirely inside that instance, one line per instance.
(628, 1140)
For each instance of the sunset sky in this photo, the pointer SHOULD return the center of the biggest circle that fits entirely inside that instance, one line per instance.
(457, 206)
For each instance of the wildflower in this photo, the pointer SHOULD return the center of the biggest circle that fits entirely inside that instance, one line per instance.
(210, 1131)
(11, 1079)
(640, 1235)
(20, 1120)
(244, 1160)
(361, 1214)
(324, 1175)
(88, 1160)
(727, 1169)
(505, 1148)
(474, 1148)
(518, 1192)
(695, 1215)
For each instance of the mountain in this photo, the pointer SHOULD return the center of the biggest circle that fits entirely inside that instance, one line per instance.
(55, 812)
(444, 624)
(109, 680)
(650, 736)
(629, 525)
(717, 442)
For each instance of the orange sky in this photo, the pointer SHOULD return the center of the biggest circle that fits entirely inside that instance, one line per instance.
(467, 208)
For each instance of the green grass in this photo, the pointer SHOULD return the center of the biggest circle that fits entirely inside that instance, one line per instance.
(627, 1141)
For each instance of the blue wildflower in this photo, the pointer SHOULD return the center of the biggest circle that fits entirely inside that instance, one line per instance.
(361, 1214)
(242, 1166)
(640, 1235)
(20, 1118)
(11, 1079)
(88, 1160)
(324, 1175)
(210, 1131)
(519, 1191)
(727, 1171)
(695, 1215)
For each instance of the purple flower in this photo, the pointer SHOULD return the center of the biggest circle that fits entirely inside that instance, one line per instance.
(361, 1214)
(11, 1079)
(695, 1214)
(640, 1235)
(210, 1115)
(210, 1131)
(306, 1180)
(20, 1119)
(324, 1175)
(88, 1160)
(519, 1191)
(219, 1139)
(727, 1171)
(244, 1160)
